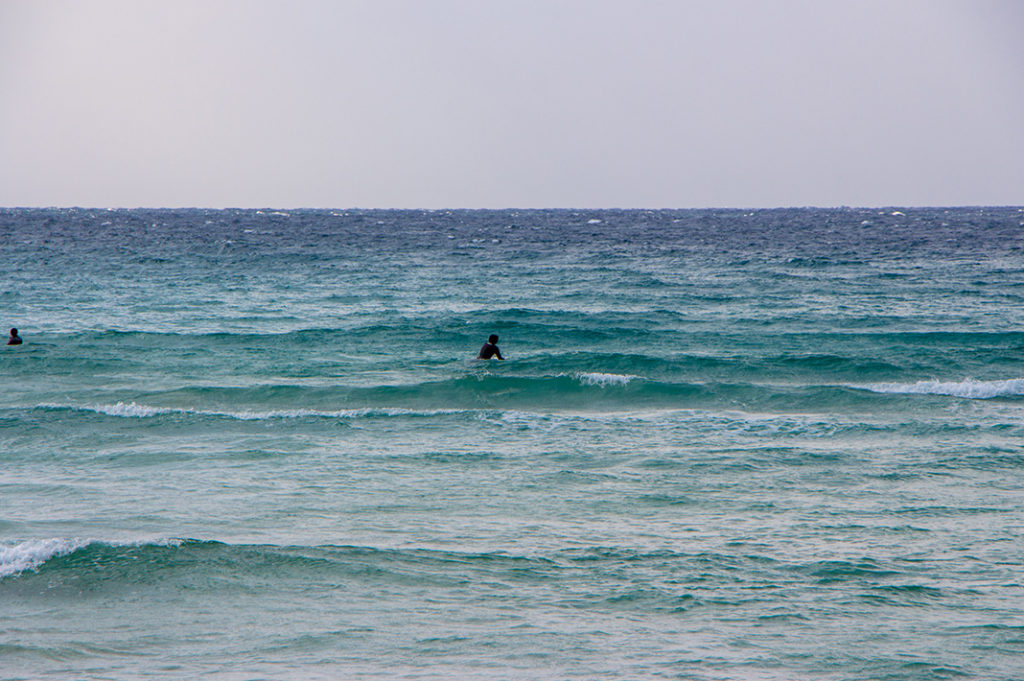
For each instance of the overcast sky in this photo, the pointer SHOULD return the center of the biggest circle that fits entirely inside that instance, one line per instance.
(520, 103)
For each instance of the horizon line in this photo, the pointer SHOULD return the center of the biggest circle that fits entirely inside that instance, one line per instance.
(1019, 206)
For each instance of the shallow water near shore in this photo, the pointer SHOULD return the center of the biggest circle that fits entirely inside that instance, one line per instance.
(251, 444)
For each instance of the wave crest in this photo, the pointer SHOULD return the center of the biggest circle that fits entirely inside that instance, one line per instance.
(29, 555)
(604, 379)
(969, 388)
(134, 410)
(33, 554)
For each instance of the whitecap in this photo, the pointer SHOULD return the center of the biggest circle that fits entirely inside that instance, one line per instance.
(16, 558)
(129, 409)
(29, 555)
(969, 388)
(134, 410)
(604, 379)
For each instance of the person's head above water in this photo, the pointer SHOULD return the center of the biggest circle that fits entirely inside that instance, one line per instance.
(490, 348)
(14, 332)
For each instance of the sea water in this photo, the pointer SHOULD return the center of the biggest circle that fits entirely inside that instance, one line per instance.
(255, 444)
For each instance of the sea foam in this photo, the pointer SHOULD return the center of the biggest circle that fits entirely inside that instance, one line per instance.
(134, 410)
(969, 388)
(128, 409)
(33, 553)
(29, 555)
(604, 379)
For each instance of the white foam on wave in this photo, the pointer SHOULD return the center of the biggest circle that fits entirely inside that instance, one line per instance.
(29, 555)
(122, 409)
(16, 558)
(707, 424)
(604, 379)
(338, 414)
(134, 410)
(129, 409)
(969, 388)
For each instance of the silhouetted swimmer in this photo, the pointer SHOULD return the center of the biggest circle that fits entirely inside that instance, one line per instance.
(490, 349)
(15, 339)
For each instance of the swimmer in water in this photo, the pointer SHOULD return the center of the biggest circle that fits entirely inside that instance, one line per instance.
(15, 339)
(490, 349)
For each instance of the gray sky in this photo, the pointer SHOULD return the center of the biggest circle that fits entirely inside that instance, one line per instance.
(522, 103)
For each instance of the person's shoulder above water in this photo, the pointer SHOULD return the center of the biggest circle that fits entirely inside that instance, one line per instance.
(15, 339)
(490, 349)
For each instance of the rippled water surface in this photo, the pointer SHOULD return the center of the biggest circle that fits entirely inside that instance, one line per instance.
(781, 444)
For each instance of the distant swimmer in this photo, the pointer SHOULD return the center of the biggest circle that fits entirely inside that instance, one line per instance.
(490, 349)
(15, 339)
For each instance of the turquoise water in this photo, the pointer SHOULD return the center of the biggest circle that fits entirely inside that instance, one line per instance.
(249, 444)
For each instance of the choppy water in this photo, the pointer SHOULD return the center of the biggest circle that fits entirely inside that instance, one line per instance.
(251, 444)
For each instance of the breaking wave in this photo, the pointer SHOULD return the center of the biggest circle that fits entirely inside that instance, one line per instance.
(29, 555)
(134, 410)
(968, 388)
(604, 379)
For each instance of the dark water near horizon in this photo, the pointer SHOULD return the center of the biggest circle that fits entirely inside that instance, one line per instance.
(771, 444)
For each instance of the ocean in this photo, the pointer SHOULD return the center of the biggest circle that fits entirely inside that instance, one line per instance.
(724, 444)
